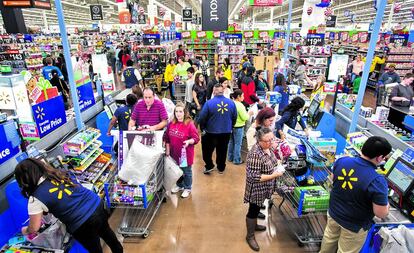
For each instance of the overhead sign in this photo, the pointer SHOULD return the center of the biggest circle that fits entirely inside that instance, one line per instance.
(195, 19)
(96, 11)
(187, 15)
(399, 39)
(49, 115)
(42, 4)
(17, 3)
(233, 39)
(338, 66)
(85, 95)
(265, 2)
(214, 15)
(331, 21)
(151, 39)
(316, 39)
(142, 20)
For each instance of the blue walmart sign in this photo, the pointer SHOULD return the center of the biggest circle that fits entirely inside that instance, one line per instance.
(9, 141)
(86, 97)
(49, 115)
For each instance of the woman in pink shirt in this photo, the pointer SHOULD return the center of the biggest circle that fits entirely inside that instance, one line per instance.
(357, 67)
(181, 134)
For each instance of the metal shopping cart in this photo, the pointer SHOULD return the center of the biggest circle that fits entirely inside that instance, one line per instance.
(139, 203)
(303, 207)
(180, 87)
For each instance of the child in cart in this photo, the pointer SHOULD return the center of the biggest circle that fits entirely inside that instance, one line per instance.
(180, 137)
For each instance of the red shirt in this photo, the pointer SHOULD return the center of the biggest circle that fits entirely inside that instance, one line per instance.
(176, 134)
(151, 117)
(125, 58)
(180, 53)
(249, 90)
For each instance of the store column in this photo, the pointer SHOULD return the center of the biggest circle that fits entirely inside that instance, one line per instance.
(370, 55)
(287, 40)
(13, 19)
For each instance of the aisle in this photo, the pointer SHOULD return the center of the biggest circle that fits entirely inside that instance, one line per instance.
(211, 220)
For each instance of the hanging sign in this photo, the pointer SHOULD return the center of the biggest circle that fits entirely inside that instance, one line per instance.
(354, 38)
(332, 36)
(315, 39)
(85, 95)
(216, 35)
(233, 39)
(151, 39)
(399, 39)
(96, 12)
(49, 115)
(265, 2)
(337, 36)
(178, 36)
(187, 15)
(248, 35)
(370, 27)
(195, 19)
(42, 4)
(263, 34)
(214, 15)
(363, 37)
(17, 3)
(201, 34)
(186, 35)
(142, 20)
(331, 21)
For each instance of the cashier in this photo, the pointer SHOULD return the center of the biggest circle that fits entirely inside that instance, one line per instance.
(358, 193)
(291, 116)
(81, 210)
(403, 93)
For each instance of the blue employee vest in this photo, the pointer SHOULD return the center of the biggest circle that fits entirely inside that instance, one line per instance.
(350, 204)
(71, 204)
(130, 78)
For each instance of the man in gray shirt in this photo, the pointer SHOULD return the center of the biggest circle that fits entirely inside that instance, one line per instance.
(403, 93)
(189, 86)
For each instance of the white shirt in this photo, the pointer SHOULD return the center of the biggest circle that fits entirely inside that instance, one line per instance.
(35, 206)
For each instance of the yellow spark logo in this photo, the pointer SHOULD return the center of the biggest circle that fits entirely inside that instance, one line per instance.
(347, 178)
(127, 114)
(40, 113)
(60, 188)
(128, 73)
(5, 98)
(222, 107)
(20, 96)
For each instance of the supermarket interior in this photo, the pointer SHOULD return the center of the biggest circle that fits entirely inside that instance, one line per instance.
(206, 126)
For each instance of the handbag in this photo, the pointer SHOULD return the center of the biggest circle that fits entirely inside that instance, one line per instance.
(53, 234)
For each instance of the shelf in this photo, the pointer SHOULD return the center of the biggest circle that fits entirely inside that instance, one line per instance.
(98, 145)
(401, 53)
(399, 61)
(101, 171)
(84, 148)
(230, 54)
(318, 67)
(89, 162)
(322, 56)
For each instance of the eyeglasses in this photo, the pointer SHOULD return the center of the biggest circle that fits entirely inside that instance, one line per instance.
(268, 141)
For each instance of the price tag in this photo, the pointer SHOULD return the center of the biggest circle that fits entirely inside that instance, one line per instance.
(151, 39)
(399, 40)
(317, 39)
(233, 39)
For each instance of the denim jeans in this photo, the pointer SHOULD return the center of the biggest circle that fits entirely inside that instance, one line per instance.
(235, 143)
(186, 180)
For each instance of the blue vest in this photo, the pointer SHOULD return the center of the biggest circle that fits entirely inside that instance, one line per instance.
(71, 204)
(350, 204)
(130, 78)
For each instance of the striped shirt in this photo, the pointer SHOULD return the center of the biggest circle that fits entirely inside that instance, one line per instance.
(155, 115)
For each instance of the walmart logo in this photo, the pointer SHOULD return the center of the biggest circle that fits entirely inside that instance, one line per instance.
(60, 188)
(40, 113)
(347, 179)
(79, 94)
(127, 115)
(222, 107)
(128, 73)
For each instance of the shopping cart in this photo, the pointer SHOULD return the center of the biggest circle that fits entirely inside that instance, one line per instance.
(180, 87)
(140, 203)
(303, 207)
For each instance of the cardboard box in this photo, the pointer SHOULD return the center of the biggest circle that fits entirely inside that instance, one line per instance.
(315, 199)
(327, 147)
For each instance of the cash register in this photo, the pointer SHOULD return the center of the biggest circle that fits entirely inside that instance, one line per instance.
(314, 114)
(400, 180)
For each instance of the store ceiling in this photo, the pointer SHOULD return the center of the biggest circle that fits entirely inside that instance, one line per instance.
(77, 11)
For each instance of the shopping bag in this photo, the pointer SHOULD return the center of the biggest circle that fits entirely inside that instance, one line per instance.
(183, 158)
(282, 150)
(171, 173)
(53, 234)
(169, 107)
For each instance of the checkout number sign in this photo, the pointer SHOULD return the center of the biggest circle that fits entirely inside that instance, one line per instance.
(233, 39)
(151, 39)
(399, 40)
(317, 39)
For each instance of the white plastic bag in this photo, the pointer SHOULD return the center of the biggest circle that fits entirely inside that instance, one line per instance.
(169, 106)
(171, 173)
(54, 236)
(140, 163)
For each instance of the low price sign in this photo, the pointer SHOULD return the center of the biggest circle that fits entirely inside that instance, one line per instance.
(233, 39)
(151, 39)
(49, 115)
(399, 40)
(86, 97)
(317, 39)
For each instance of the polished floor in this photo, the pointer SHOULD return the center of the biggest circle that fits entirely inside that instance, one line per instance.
(212, 219)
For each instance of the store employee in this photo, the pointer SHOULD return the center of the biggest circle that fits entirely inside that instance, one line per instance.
(358, 194)
(403, 93)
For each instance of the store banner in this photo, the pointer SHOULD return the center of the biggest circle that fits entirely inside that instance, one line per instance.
(215, 15)
(123, 13)
(49, 115)
(331, 21)
(233, 39)
(188, 14)
(186, 35)
(42, 4)
(217, 34)
(248, 35)
(344, 36)
(264, 34)
(363, 37)
(354, 38)
(86, 96)
(265, 2)
(8, 149)
(399, 40)
(201, 34)
(96, 12)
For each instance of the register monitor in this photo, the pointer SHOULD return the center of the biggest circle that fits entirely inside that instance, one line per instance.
(314, 114)
(401, 182)
(113, 108)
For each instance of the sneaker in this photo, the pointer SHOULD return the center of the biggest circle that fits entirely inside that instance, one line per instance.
(241, 162)
(177, 189)
(185, 193)
(221, 172)
(207, 171)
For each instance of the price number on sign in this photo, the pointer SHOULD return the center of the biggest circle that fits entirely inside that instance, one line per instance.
(399, 40)
(233, 40)
(151, 39)
(315, 40)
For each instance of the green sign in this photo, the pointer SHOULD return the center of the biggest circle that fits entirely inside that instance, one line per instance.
(5, 69)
